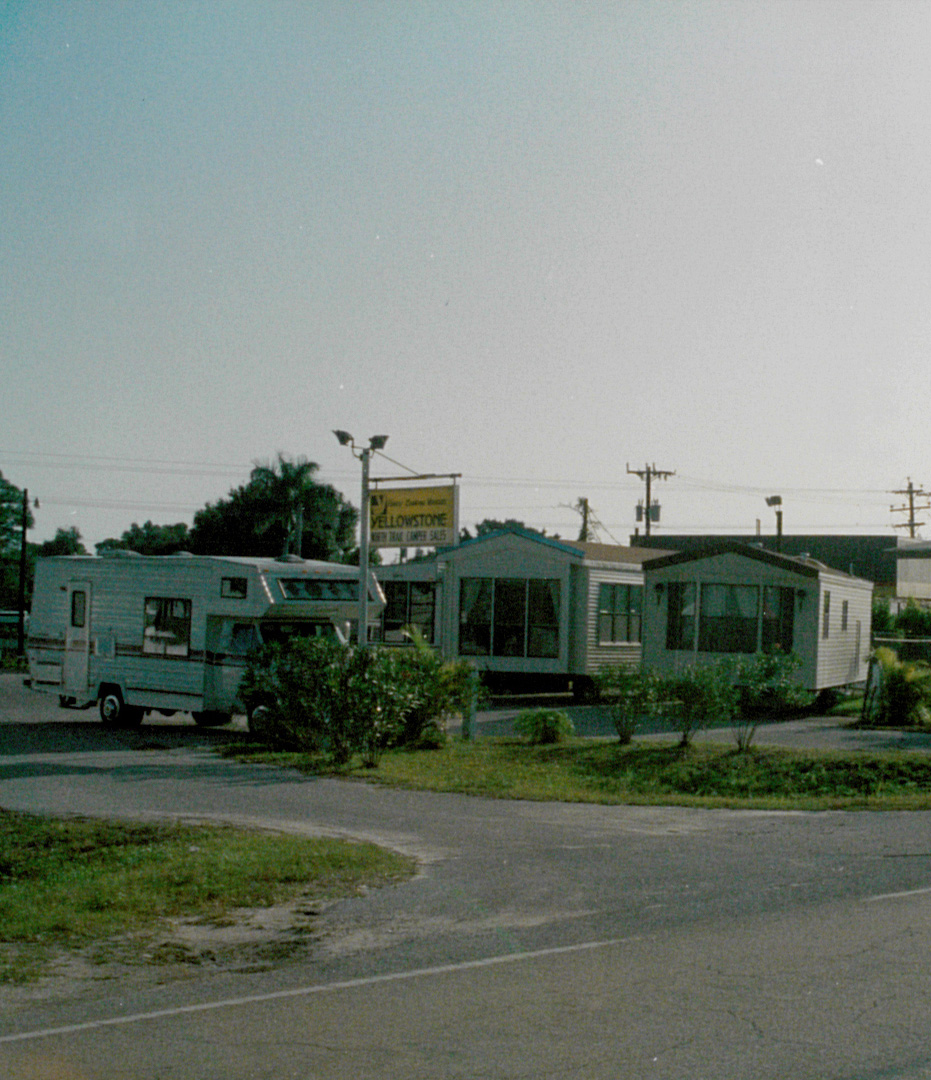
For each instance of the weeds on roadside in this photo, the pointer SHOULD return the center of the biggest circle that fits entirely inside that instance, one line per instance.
(66, 882)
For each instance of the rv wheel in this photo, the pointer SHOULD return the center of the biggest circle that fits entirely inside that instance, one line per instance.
(114, 713)
(259, 718)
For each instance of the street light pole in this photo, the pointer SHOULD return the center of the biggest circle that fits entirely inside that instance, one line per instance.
(364, 454)
(776, 502)
(364, 553)
(24, 525)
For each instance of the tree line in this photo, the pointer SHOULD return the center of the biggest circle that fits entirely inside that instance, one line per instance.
(281, 510)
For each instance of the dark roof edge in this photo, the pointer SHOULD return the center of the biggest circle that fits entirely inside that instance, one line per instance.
(797, 565)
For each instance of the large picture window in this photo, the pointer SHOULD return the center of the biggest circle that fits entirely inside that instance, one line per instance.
(409, 603)
(729, 617)
(167, 626)
(507, 617)
(619, 608)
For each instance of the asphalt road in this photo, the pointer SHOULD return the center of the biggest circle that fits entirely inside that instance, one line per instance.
(539, 939)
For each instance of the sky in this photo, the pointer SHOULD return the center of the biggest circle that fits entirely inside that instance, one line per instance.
(536, 243)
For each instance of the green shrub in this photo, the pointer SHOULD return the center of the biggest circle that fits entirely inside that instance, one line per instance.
(312, 695)
(631, 696)
(701, 695)
(321, 696)
(882, 617)
(912, 621)
(904, 691)
(543, 726)
(766, 686)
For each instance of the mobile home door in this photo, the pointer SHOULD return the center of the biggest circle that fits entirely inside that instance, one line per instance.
(75, 667)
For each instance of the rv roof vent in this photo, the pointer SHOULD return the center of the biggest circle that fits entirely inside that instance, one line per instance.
(119, 553)
(183, 554)
(289, 559)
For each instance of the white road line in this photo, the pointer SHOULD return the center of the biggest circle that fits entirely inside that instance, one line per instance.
(322, 988)
(897, 895)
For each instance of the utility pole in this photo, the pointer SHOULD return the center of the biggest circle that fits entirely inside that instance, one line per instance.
(648, 473)
(913, 493)
(584, 532)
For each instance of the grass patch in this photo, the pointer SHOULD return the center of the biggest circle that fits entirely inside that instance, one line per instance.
(599, 771)
(69, 882)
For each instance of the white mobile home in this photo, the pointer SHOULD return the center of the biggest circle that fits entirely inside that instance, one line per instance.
(736, 599)
(527, 610)
(172, 633)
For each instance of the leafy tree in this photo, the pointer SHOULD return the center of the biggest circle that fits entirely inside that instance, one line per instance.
(149, 539)
(11, 518)
(66, 542)
(882, 616)
(265, 517)
(491, 525)
(913, 621)
(286, 484)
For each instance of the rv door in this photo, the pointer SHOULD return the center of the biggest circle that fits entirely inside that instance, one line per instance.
(75, 668)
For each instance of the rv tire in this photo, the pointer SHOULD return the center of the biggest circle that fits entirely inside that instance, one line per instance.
(259, 720)
(115, 713)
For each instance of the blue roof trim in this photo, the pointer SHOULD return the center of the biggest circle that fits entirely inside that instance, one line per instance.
(526, 534)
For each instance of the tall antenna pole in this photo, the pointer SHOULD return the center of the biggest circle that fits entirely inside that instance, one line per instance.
(913, 493)
(647, 473)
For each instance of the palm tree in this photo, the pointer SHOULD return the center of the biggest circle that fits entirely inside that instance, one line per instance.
(286, 484)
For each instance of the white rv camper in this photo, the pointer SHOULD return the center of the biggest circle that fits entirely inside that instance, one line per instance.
(172, 633)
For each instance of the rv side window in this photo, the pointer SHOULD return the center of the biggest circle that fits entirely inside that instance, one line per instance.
(234, 588)
(167, 626)
(78, 608)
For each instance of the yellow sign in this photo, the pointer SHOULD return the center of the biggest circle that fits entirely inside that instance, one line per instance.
(414, 517)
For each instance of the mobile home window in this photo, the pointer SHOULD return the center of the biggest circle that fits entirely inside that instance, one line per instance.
(728, 619)
(78, 608)
(509, 617)
(475, 616)
(680, 624)
(543, 618)
(619, 608)
(409, 603)
(826, 619)
(167, 629)
(844, 615)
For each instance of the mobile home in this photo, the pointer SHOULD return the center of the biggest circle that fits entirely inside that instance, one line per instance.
(730, 598)
(172, 633)
(530, 612)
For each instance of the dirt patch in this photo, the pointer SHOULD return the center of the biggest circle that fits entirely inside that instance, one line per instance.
(248, 940)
